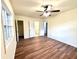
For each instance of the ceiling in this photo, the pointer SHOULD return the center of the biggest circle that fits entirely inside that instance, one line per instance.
(29, 7)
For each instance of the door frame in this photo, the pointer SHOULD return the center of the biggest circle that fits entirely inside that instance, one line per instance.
(16, 29)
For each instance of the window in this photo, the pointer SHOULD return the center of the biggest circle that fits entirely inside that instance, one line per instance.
(7, 26)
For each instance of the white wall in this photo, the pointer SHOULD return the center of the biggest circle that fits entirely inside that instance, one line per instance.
(2, 48)
(28, 20)
(11, 46)
(63, 27)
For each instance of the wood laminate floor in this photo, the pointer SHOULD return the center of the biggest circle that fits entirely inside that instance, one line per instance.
(44, 48)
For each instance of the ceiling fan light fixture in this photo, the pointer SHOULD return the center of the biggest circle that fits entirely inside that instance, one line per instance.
(46, 14)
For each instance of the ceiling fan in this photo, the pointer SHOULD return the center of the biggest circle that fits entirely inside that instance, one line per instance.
(47, 10)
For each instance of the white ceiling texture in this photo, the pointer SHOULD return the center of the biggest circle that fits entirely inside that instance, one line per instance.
(29, 7)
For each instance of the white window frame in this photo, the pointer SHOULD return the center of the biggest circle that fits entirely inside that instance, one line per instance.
(7, 24)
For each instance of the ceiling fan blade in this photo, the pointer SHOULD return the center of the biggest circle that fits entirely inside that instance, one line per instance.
(41, 14)
(39, 11)
(44, 5)
(55, 11)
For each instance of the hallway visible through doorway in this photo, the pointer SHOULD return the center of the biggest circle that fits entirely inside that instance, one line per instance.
(20, 30)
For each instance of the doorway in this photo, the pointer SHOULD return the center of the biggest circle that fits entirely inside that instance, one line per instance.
(20, 27)
(37, 28)
(45, 28)
(34, 28)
